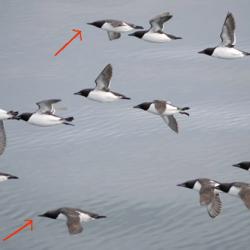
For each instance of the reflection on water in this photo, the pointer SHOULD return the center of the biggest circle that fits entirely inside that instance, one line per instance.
(119, 161)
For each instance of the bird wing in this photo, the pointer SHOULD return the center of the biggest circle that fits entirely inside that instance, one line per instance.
(2, 138)
(228, 38)
(113, 35)
(210, 199)
(73, 221)
(116, 23)
(245, 196)
(214, 208)
(46, 106)
(171, 122)
(103, 79)
(158, 21)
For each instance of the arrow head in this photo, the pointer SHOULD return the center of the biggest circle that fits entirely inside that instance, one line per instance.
(29, 223)
(79, 32)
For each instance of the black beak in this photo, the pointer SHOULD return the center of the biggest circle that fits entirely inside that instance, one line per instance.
(236, 165)
(201, 52)
(131, 34)
(136, 107)
(77, 93)
(181, 185)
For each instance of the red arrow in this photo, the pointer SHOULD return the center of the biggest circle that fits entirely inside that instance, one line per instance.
(78, 33)
(28, 223)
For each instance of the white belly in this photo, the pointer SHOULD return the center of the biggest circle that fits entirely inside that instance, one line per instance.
(227, 53)
(4, 115)
(102, 96)
(124, 28)
(170, 110)
(84, 217)
(3, 178)
(44, 120)
(156, 37)
(234, 191)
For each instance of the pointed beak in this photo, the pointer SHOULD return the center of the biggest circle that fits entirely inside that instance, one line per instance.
(236, 165)
(136, 107)
(181, 185)
(201, 52)
(131, 34)
(77, 93)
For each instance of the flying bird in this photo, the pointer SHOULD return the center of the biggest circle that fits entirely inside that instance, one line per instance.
(238, 189)
(155, 33)
(73, 216)
(226, 49)
(102, 92)
(114, 28)
(45, 115)
(165, 110)
(209, 197)
(5, 115)
(5, 177)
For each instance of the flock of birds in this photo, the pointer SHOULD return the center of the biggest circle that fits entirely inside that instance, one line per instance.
(45, 116)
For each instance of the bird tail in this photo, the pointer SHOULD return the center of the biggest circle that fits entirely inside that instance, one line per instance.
(12, 177)
(125, 97)
(100, 216)
(68, 120)
(182, 111)
(246, 53)
(138, 27)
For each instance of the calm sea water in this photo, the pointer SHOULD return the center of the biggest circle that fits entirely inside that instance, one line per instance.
(117, 161)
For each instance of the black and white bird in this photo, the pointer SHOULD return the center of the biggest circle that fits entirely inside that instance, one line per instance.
(45, 115)
(226, 49)
(5, 177)
(102, 92)
(209, 196)
(73, 216)
(244, 165)
(165, 110)
(5, 115)
(238, 189)
(114, 28)
(155, 34)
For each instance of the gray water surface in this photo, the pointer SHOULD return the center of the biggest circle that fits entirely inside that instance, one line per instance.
(117, 161)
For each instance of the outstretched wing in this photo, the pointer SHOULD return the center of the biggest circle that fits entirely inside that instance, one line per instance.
(171, 122)
(2, 138)
(113, 35)
(214, 208)
(228, 38)
(46, 106)
(73, 220)
(103, 79)
(245, 196)
(157, 22)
